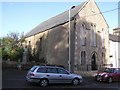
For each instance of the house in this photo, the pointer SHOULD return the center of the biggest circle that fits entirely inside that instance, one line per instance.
(86, 47)
(116, 31)
(115, 48)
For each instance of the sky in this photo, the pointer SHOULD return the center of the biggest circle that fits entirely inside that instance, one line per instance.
(22, 17)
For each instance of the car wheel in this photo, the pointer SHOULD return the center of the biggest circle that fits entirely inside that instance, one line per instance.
(75, 81)
(43, 82)
(110, 80)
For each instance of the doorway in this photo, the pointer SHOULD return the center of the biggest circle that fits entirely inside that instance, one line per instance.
(93, 61)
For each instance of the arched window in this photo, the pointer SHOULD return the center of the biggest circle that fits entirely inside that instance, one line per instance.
(82, 34)
(40, 43)
(91, 43)
(103, 38)
(83, 57)
(93, 35)
(103, 58)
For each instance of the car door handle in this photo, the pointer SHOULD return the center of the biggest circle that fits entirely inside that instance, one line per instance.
(48, 75)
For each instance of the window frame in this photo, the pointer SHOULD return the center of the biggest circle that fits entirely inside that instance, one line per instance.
(83, 34)
(83, 56)
(52, 72)
(63, 70)
(41, 68)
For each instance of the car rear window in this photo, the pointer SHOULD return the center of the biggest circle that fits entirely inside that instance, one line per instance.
(33, 68)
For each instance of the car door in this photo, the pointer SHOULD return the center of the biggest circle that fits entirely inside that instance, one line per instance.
(119, 75)
(116, 74)
(40, 73)
(64, 76)
(52, 75)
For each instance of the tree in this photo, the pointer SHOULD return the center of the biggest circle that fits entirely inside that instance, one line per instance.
(12, 46)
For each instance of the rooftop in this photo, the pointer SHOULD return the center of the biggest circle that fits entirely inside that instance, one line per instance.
(114, 38)
(56, 20)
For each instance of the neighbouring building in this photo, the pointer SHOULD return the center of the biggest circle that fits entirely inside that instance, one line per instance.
(115, 48)
(89, 38)
(116, 31)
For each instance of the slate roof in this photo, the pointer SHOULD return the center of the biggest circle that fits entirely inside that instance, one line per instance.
(117, 28)
(55, 21)
(114, 38)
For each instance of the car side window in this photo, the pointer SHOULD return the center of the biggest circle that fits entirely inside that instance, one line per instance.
(62, 71)
(41, 70)
(51, 70)
(116, 70)
(119, 70)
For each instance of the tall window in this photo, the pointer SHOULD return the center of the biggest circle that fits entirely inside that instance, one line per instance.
(93, 35)
(83, 57)
(103, 58)
(40, 44)
(91, 43)
(83, 34)
(103, 38)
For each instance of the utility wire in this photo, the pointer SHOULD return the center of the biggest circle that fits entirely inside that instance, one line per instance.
(111, 10)
(103, 12)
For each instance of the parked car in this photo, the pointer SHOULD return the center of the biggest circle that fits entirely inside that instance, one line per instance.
(109, 75)
(45, 75)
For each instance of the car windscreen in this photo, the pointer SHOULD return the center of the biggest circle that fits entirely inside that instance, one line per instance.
(33, 68)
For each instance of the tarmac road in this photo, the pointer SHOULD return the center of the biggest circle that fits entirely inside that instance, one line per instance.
(13, 78)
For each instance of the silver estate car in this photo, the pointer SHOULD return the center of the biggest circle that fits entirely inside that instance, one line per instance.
(45, 75)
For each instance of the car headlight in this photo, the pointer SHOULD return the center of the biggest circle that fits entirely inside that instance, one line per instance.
(106, 75)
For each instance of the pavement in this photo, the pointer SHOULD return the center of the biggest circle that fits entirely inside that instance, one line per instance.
(87, 73)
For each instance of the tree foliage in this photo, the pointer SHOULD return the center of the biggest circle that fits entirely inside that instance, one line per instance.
(12, 46)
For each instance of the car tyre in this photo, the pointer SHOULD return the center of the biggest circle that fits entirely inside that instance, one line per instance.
(110, 80)
(75, 81)
(44, 82)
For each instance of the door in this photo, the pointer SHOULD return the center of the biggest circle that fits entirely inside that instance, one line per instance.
(93, 62)
(52, 75)
(116, 75)
(119, 75)
(117, 72)
(64, 76)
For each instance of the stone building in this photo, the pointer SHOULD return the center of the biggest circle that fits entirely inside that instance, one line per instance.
(89, 38)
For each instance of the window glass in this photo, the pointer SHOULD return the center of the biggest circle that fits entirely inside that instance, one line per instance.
(62, 71)
(83, 34)
(41, 70)
(51, 70)
(109, 70)
(33, 68)
(83, 58)
(116, 70)
(119, 70)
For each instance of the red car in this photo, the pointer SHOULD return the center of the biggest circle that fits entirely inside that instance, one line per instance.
(109, 75)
